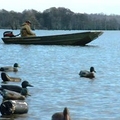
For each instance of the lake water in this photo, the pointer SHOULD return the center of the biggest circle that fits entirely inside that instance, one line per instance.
(53, 71)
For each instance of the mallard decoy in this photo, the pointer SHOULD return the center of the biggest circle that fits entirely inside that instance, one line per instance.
(61, 115)
(6, 78)
(23, 90)
(11, 95)
(10, 68)
(87, 74)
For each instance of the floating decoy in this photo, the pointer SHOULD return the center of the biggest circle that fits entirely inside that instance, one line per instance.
(6, 78)
(10, 68)
(11, 95)
(61, 115)
(9, 107)
(88, 74)
(23, 90)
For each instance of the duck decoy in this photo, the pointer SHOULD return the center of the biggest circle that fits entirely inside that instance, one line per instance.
(23, 90)
(87, 74)
(6, 78)
(10, 107)
(11, 95)
(10, 68)
(62, 115)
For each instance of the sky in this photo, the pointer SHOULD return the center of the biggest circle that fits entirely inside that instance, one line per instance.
(107, 7)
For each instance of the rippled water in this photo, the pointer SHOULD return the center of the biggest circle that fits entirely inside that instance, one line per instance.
(53, 70)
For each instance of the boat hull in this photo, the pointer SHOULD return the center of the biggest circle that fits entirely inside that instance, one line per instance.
(65, 39)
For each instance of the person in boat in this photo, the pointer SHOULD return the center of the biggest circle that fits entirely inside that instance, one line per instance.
(26, 30)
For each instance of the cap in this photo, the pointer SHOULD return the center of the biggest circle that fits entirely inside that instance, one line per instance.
(28, 21)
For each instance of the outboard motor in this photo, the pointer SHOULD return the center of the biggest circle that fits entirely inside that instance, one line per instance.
(9, 107)
(8, 34)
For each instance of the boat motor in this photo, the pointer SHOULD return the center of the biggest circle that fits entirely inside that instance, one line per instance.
(8, 34)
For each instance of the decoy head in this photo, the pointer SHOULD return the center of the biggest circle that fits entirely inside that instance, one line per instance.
(4, 76)
(66, 114)
(62, 115)
(16, 65)
(92, 69)
(2, 69)
(26, 84)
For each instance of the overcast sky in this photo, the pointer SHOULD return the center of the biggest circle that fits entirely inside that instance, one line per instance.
(78, 6)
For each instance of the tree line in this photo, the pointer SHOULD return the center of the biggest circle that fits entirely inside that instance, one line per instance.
(59, 19)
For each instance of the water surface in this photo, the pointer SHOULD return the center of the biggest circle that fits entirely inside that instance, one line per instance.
(53, 71)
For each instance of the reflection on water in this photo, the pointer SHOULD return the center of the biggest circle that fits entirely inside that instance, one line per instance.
(53, 70)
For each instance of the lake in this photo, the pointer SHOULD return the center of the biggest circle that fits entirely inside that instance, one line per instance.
(53, 71)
